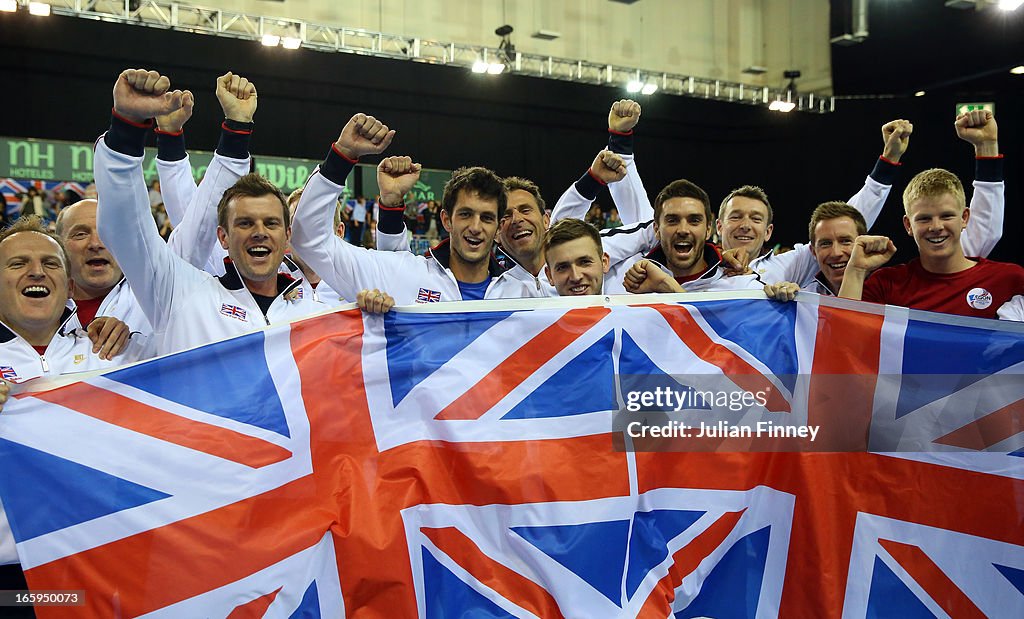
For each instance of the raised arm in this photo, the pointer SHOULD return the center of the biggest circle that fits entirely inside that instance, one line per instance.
(630, 195)
(607, 168)
(195, 238)
(158, 278)
(978, 128)
(177, 186)
(346, 268)
(869, 253)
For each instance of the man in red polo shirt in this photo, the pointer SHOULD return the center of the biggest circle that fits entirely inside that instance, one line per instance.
(942, 279)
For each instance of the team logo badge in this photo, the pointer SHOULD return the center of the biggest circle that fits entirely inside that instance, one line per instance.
(232, 311)
(79, 359)
(979, 298)
(428, 296)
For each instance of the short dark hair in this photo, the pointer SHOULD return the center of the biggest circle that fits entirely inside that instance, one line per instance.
(32, 223)
(683, 188)
(834, 210)
(570, 229)
(514, 183)
(747, 191)
(251, 186)
(478, 180)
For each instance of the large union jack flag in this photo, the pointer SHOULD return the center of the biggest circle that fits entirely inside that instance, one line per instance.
(459, 464)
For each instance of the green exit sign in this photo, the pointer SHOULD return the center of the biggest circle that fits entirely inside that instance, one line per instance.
(970, 107)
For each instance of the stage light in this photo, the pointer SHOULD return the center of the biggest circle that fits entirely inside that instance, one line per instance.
(8, 6)
(634, 86)
(480, 66)
(495, 68)
(39, 8)
(291, 43)
(781, 106)
(649, 88)
(270, 40)
(1018, 70)
(919, 93)
(1010, 5)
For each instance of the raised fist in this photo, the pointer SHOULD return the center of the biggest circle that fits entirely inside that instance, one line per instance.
(140, 95)
(623, 116)
(396, 176)
(364, 135)
(609, 167)
(896, 139)
(870, 252)
(237, 97)
(175, 121)
(979, 128)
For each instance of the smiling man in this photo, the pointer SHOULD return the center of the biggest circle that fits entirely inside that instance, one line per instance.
(100, 287)
(459, 268)
(575, 262)
(942, 278)
(187, 306)
(38, 333)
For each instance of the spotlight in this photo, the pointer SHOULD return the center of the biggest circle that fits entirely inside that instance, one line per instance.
(649, 88)
(39, 8)
(634, 86)
(919, 93)
(781, 106)
(291, 42)
(270, 40)
(495, 68)
(8, 6)
(1018, 70)
(1010, 5)
(503, 31)
(480, 66)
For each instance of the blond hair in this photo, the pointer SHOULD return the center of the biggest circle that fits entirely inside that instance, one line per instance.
(933, 183)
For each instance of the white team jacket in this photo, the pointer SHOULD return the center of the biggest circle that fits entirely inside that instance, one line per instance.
(186, 306)
(405, 276)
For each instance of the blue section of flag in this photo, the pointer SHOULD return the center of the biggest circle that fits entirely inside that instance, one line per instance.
(889, 598)
(309, 606)
(419, 344)
(941, 359)
(445, 595)
(596, 551)
(1014, 575)
(648, 543)
(586, 385)
(199, 379)
(766, 332)
(29, 479)
(732, 588)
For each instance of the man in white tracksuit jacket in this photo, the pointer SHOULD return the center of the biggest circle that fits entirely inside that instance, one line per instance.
(187, 306)
(460, 269)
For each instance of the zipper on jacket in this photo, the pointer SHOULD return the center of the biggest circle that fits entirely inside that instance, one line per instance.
(46, 366)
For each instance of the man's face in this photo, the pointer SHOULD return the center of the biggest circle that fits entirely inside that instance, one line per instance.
(523, 226)
(576, 267)
(744, 224)
(833, 242)
(472, 225)
(93, 268)
(936, 222)
(682, 230)
(35, 282)
(256, 237)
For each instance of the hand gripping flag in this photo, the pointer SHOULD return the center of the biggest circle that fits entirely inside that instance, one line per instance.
(441, 463)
